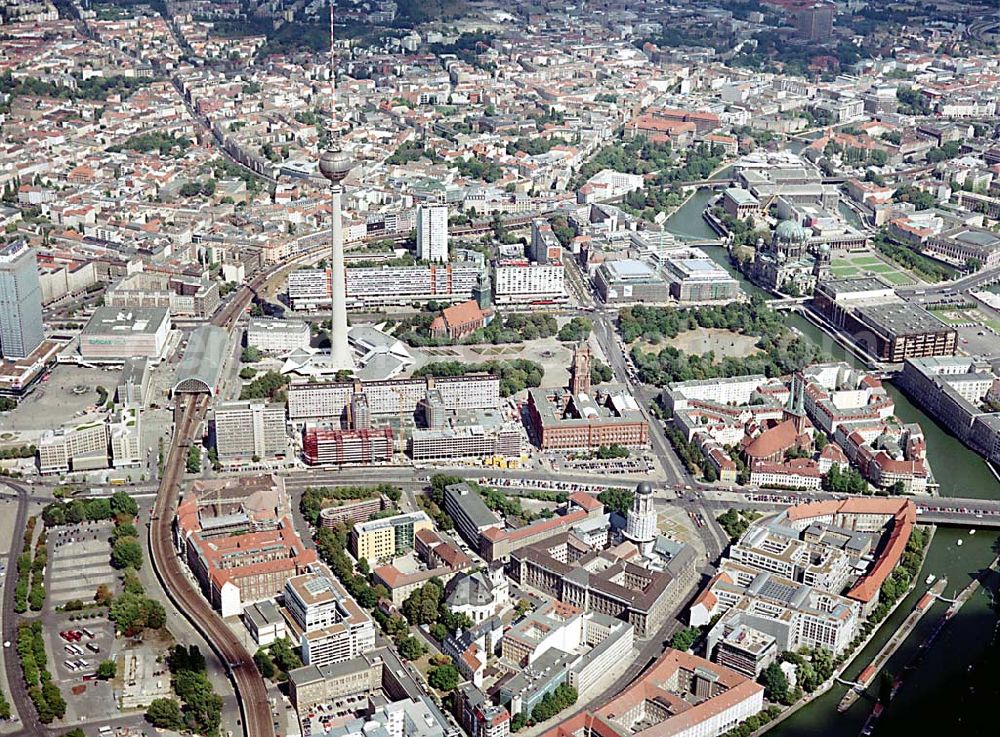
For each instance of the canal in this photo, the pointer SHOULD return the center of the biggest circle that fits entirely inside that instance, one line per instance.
(956, 684)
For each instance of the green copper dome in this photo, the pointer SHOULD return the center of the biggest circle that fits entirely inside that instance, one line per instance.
(789, 231)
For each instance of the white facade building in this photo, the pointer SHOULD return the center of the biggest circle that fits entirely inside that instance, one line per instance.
(329, 624)
(277, 336)
(521, 282)
(640, 525)
(375, 286)
(432, 233)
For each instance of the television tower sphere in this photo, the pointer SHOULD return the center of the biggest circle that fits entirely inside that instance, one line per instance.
(335, 165)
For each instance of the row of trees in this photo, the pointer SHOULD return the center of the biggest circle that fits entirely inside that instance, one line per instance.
(514, 375)
(743, 232)
(563, 697)
(635, 156)
(132, 611)
(23, 451)
(694, 460)
(617, 500)
(501, 502)
(444, 677)
(781, 353)
(926, 268)
(42, 690)
(610, 452)
(411, 151)
(23, 585)
(269, 385)
(165, 143)
(36, 596)
(198, 187)
(685, 638)
(126, 552)
(750, 725)
(512, 328)
(475, 168)
(426, 606)
(654, 323)
(848, 481)
(735, 523)
(95, 88)
(433, 502)
(577, 329)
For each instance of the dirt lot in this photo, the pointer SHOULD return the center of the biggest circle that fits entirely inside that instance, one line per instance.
(723, 343)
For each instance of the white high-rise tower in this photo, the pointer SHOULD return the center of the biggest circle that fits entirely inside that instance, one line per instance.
(335, 165)
(432, 233)
(640, 523)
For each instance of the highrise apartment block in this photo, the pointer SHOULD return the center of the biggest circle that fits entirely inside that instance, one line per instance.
(250, 429)
(21, 328)
(432, 233)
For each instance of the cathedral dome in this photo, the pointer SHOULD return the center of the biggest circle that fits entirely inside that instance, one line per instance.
(789, 231)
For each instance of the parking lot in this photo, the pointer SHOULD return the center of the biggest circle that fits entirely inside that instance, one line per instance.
(321, 718)
(73, 664)
(79, 556)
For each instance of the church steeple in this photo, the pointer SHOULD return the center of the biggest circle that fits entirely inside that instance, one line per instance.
(795, 407)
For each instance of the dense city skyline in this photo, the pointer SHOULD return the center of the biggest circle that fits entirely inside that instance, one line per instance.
(455, 368)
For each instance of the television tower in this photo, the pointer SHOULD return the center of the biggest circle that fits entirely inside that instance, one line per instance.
(335, 165)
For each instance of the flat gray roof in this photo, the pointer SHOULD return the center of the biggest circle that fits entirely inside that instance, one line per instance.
(902, 319)
(126, 320)
(472, 504)
(741, 196)
(982, 238)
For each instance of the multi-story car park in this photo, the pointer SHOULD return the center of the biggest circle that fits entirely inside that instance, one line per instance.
(324, 446)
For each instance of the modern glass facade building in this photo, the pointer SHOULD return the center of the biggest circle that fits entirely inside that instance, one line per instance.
(21, 328)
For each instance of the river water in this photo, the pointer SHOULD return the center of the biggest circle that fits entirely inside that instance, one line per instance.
(958, 682)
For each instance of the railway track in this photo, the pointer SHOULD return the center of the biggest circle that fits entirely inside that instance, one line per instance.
(251, 693)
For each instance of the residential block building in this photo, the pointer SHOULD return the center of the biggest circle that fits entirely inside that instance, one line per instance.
(250, 430)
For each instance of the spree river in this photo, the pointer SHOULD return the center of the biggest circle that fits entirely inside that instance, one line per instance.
(957, 684)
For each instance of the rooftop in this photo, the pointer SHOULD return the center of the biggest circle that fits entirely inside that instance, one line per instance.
(902, 318)
(126, 320)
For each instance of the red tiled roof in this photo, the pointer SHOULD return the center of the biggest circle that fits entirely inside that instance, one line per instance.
(585, 500)
(463, 313)
(779, 438)
(904, 515)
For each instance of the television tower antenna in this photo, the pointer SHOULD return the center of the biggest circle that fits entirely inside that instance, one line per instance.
(335, 165)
